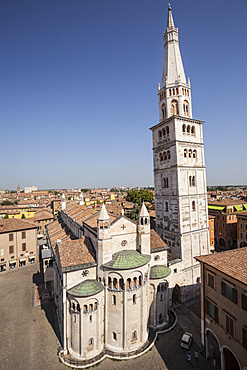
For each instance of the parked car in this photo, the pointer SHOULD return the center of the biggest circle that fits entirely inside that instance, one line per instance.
(186, 340)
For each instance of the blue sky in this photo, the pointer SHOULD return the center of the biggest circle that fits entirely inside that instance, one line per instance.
(79, 88)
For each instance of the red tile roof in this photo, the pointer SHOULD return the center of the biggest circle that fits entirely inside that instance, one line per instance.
(13, 224)
(76, 252)
(232, 263)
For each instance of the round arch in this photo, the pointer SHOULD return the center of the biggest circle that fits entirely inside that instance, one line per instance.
(230, 359)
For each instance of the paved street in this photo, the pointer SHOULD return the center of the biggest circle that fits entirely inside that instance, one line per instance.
(29, 340)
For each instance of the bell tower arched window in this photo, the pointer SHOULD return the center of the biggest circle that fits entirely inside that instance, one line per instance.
(174, 107)
(186, 108)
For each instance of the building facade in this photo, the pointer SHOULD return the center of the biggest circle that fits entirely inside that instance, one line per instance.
(18, 244)
(224, 308)
(179, 173)
(242, 229)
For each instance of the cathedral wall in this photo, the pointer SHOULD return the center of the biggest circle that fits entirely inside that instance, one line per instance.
(76, 277)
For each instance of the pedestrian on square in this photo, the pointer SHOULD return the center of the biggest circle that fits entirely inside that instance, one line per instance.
(189, 358)
(197, 356)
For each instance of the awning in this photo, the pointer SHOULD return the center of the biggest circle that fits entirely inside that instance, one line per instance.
(31, 258)
(238, 208)
(245, 206)
(22, 260)
(216, 208)
(12, 262)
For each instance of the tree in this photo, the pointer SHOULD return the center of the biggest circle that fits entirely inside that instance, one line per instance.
(84, 190)
(7, 203)
(6, 216)
(135, 196)
(133, 213)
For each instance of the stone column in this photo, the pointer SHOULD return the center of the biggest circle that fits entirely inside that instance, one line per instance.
(124, 315)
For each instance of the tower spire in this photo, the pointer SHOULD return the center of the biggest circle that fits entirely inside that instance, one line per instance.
(170, 22)
(174, 93)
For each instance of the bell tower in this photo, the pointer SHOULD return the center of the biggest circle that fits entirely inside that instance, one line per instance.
(179, 167)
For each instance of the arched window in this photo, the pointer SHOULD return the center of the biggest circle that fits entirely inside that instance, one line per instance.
(176, 90)
(140, 280)
(161, 297)
(90, 307)
(193, 181)
(167, 130)
(174, 107)
(160, 134)
(135, 281)
(186, 108)
(160, 318)
(193, 130)
(190, 180)
(185, 153)
(128, 283)
(173, 91)
(134, 299)
(184, 128)
(114, 282)
(167, 183)
(188, 129)
(166, 208)
(78, 307)
(190, 153)
(95, 306)
(193, 205)
(90, 318)
(163, 111)
(84, 308)
(134, 335)
(183, 91)
(165, 156)
(161, 157)
(188, 93)
(73, 306)
(121, 283)
(91, 341)
(170, 92)
(194, 153)
(109, 282)
(114, 336)
(164, 182)
(168, 154)
(114, 300)
(158, 288)
(164, 132)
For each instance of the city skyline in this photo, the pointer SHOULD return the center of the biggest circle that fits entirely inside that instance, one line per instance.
(80, 89)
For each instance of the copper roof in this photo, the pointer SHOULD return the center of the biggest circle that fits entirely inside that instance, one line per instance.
(232, 263)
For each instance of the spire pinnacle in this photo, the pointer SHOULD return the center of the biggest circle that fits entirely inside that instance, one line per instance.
(170, 22)
(103, 215)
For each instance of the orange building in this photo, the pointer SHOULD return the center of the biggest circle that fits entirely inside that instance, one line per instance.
(211, 231)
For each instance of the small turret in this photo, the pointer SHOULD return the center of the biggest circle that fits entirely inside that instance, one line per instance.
(63, 202)
(103, 224)
(144, 230)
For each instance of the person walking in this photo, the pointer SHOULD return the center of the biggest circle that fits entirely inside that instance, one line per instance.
(189, 358)
(197, 357)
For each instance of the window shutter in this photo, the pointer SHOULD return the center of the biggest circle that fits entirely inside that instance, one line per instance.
(223, 288)
(244, 302)
(235, 296)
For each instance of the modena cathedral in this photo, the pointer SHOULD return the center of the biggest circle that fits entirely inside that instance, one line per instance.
(114, 278)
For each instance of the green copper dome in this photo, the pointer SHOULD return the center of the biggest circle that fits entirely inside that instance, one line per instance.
(127, 259)
(86, 288)
(159, 272)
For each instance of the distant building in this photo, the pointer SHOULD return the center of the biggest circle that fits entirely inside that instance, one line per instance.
(225, 226)
(211, 231)
(29, 189)
(242, 229)
(224, 308)
(18, 244)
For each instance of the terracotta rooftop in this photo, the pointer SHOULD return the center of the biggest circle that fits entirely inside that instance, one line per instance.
(76, 252)
(232, 263)
(226, 202)
(156, 242)
(13, 224)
